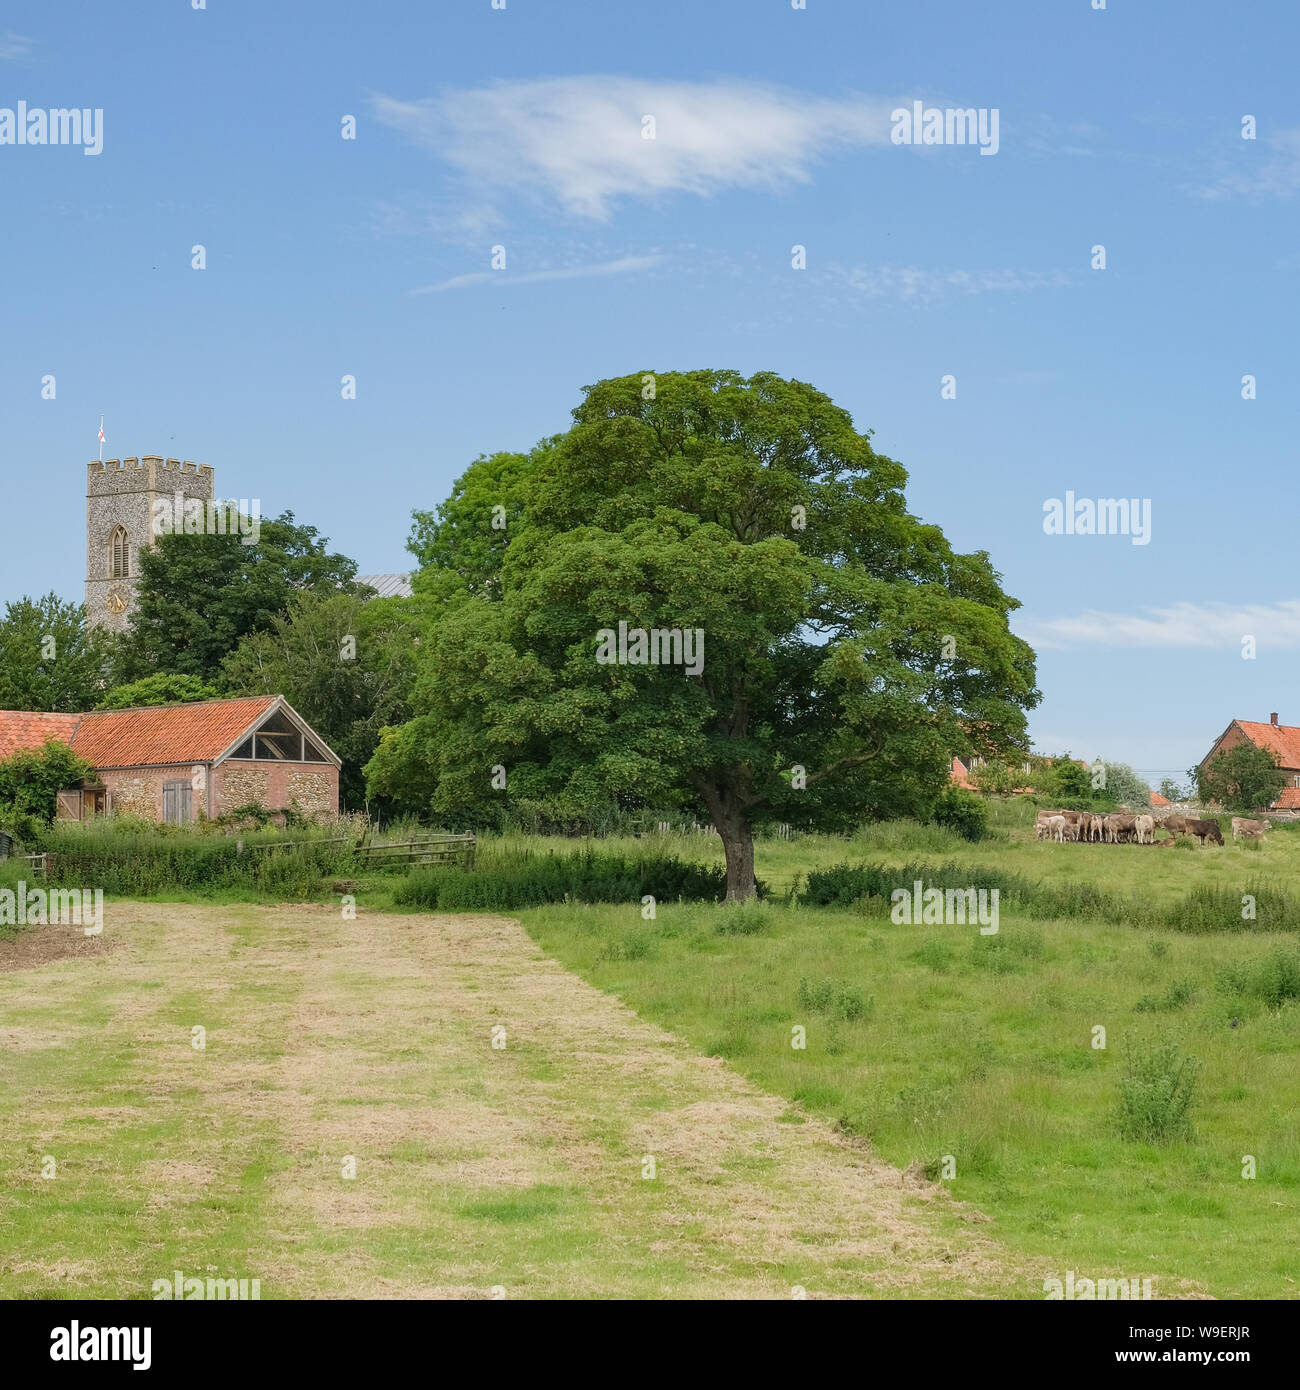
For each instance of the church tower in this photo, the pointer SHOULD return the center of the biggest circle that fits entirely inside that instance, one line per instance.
(119, 524)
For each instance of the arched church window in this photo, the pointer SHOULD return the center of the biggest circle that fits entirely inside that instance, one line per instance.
(119, 556)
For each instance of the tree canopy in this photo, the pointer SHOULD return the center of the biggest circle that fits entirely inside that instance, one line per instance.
(49, 660)
(1240, 779)
(198, 596)
(345, 665)
(845, 650)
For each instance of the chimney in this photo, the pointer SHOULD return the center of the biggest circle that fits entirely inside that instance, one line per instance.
(1272, 719)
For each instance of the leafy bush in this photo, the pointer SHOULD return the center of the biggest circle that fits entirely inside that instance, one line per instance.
(31, 780)
(1177, 996)
(841, 1001)
(142, 859)
(743, 919)
(1273, 979)
(1156, 1092)
(963, 812)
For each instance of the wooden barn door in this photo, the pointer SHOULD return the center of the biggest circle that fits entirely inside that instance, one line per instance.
(178, 803)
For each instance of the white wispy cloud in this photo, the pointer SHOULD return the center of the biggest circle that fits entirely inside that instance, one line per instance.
(14, 45)
(915, 285)
(623, 266)
(1190, 625)
(1274, 175)
(578, 141)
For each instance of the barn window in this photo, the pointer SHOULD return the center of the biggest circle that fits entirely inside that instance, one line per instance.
(1295, 781)
(119, 555)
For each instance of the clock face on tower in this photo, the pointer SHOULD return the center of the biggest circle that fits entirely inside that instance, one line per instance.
(116, 601)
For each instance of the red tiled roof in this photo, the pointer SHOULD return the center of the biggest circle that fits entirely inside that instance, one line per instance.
(1281, 739)
(21, 730)
(1289, 800)
(1158, 800)
(157, 734)
(959, 776)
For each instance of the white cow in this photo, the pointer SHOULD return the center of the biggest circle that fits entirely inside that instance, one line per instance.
(1146, 829)
(1056, 826)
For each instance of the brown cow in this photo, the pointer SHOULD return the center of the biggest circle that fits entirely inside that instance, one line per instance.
(1243, 829)
(1204, 830)
(1176, 825)
(1119, 827)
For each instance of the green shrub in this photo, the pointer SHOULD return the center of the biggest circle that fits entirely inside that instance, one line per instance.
(743, 919)
(1273, 979)
(845, 1002)
(1156, 1091)
(1177, 996)
(140, 859)
(507, 880)
(963, 812)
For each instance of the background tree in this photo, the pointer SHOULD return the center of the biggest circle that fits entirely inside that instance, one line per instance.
(1240, 779)
(848, 650)
(49, 660)
(198, 596)
(166, 688)
(1064, 779)
(1125, 786)
(1171, 790)
(460, 545)
(997, 778)
(347, 666)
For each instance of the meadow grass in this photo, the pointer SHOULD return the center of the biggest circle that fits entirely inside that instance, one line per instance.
(933, 1042)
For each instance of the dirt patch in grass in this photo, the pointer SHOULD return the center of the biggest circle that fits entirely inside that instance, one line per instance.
(37, 946)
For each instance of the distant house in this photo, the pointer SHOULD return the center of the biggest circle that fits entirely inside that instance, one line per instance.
(964, 768)
(1282, 740)
(388, 585)
(171, 763)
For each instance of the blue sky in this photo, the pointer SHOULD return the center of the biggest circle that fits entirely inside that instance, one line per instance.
(521, 127)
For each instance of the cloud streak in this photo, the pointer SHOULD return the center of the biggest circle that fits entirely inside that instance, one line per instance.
(578, 141)
(624, 266)
(1203, 626)
(916, 286)
(1277, 175)
(14, 46)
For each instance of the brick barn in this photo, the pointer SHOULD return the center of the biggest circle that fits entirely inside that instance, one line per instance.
(175, 763)
(1282, 740)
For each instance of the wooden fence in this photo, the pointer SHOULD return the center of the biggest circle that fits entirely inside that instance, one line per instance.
(421, 849)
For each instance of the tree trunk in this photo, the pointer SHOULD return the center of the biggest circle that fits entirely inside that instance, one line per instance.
(738, 845)
(730, 816)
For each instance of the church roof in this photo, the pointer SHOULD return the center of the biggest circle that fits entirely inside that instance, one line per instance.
(388, 585)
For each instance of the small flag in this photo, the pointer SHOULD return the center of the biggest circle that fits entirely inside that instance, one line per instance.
(101, 431)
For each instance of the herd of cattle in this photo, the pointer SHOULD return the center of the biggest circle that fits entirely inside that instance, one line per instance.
(1122, 829)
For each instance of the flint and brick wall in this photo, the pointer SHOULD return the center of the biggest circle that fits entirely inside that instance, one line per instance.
(277, 786)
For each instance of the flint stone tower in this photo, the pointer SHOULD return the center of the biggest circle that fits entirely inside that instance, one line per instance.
(119, 525)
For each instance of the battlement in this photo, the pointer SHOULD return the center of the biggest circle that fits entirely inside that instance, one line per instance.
(153, 463)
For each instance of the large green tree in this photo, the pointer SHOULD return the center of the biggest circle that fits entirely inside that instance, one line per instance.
(847, 650)
(1240, 779)
(49, 659)
(198, 596)
(347, 666)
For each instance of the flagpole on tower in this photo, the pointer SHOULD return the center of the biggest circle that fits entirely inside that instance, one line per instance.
(101, 439)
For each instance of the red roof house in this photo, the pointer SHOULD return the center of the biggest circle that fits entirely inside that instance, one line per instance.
(173, 763)
(1282, 740)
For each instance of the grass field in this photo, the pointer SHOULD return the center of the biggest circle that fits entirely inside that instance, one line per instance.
(930, 1041)
(519, 1169)
(937, 1062)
